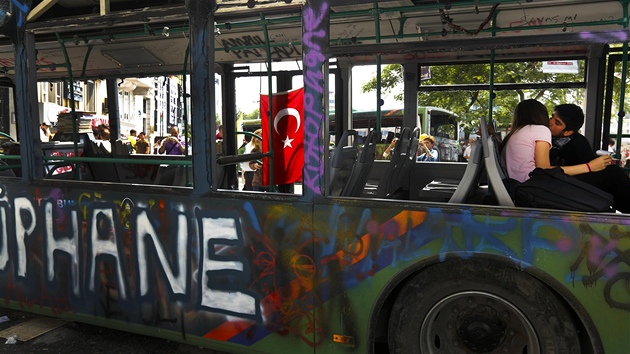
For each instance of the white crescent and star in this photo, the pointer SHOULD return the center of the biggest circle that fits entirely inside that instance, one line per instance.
(281, 114)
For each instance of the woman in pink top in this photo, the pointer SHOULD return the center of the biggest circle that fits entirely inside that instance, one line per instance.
(528, 143)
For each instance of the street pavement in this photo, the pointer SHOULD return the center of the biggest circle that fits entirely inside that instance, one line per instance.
(74, 337)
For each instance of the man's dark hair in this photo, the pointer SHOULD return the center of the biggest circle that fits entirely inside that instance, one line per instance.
(571, 114)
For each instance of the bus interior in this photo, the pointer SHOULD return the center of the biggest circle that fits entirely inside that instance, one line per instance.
(116, 60)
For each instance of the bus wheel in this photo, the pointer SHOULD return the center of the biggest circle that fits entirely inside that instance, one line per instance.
(479, 307)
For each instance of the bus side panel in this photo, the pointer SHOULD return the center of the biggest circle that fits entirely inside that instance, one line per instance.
(371, 247)
(222, 273)
(246, 276)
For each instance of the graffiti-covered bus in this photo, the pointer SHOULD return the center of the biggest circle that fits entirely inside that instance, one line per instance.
(327, 249)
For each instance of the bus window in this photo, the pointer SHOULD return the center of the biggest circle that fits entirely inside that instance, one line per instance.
(467, 94)
(441, 124)
(108, 146)
(252, 102)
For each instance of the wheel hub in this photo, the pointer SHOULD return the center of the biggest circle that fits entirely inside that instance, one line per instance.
(481, 329)
(476, 322)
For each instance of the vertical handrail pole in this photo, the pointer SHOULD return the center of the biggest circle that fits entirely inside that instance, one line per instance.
(622, 89)
(491, 94)
(377, 25)
(75, 135)
(270, 107)
(185, 104)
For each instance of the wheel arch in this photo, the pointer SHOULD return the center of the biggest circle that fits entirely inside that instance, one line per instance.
(380, 312)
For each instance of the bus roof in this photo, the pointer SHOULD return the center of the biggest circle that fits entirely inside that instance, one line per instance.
(392, 111)
(145, 37)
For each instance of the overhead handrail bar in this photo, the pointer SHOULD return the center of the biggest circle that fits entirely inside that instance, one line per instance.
(138, 161)
(423, 7)
(502, 86)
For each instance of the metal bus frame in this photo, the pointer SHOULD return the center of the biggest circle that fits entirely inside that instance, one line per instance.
(286, 273)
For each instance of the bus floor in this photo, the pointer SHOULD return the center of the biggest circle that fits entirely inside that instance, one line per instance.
(73, 337)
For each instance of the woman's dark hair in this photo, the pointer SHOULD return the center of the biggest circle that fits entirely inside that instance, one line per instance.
(527, 112)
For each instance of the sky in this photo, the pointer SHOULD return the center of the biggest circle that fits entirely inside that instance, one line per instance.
(248, 90)
(367, 101)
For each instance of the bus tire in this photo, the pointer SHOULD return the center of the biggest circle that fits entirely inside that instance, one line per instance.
(475, 306)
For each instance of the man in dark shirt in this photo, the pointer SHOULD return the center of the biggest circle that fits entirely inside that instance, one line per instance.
(142, 145)
(570, 148)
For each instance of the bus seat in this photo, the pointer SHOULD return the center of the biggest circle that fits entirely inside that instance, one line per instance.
(6, 172)
(165, 175)
(101, 171)
(470, 180)
(411, 157)
(183, 177)
(130, 172)
(66, 171)
(362, 167)
(342, 161)
(396, 174)
(97, 149)
(120, 148)
(495, 171)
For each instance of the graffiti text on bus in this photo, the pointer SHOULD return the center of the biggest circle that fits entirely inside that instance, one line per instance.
(89, 244)
(315, 40)
(246, 47)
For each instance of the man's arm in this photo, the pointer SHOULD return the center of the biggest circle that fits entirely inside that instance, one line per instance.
(580, 158)
(577, 151)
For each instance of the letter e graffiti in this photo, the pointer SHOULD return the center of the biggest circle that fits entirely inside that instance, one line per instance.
(218, 235)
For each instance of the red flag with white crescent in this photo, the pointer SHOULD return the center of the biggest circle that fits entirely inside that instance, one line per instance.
(287, 128)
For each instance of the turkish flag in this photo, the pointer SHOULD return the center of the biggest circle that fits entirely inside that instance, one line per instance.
(287, 135)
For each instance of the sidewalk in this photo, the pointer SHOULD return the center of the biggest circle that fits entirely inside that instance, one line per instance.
(61, 337)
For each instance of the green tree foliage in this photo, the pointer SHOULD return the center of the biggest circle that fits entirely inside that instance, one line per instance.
(617, 94)
(255, 114)
(471, 105)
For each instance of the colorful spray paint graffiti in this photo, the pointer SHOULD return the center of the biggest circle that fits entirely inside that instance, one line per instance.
(253, 271)
(249, 271)
(607, 259)
(315, 39)
(232, 46)
(110, 256)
